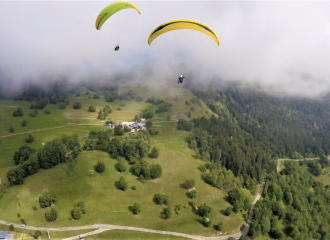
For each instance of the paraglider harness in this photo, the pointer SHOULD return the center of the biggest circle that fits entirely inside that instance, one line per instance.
(116, 48)
(180, 78)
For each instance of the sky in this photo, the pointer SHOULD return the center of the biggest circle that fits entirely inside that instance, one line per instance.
(281, 46)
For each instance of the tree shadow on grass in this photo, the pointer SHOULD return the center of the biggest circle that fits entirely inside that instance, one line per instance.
(222, 212)
(226, 198)
(193, 209)
(130, 208)
(242, 227)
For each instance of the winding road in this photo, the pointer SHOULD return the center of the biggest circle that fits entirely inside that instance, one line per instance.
(106, 227)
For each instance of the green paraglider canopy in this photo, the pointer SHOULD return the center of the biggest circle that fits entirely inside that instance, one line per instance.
(111, 9)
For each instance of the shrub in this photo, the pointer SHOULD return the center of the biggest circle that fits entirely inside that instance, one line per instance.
(188, 184)
(96, 96)
(202, 168)
(136, 208)
(32, 106)
(154, 153)
(29, 139)
(24, 123)
(228, 211)
(218, 226)
(99, 167)
(11, 129)
(62, 106)
(76, 213)
(46, 199)
(42, 103)
(18, 215)
(177, 208)
(118, 131)
(167, 213)
(77, 105)
(34, 208)
(192, 194)
(153, 132)
(18, 112)
(91, 109)
(82, 207)
(149, 123)
(184, 125)
(109, 99)
(11, 228)
(207, 222)
(161, 198)
(47, 111)
(121, 166)
(133, 187)
(51, 215)
(204, 210)
(36, 234)
(33, 113)
(121, 184)
(155, 171)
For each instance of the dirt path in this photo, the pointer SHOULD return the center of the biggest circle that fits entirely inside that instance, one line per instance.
(44, 129)
(288, 159)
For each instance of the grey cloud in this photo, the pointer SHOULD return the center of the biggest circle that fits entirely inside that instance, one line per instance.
(283, 47)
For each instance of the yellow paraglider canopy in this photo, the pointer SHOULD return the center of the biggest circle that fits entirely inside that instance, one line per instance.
(182, 24)
(111, 9)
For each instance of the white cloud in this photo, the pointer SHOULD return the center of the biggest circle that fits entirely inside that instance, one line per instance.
(276, 44)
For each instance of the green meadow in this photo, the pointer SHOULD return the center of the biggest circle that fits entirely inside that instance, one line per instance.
(132, 235)
(105, 203)
(23, 234)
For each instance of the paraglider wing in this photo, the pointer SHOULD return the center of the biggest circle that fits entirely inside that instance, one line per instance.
(182, 24)
(111, 9)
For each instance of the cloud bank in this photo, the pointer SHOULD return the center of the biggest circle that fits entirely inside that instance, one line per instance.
(284, 47)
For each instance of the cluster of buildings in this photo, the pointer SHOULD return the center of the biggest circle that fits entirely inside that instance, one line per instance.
(133, 126)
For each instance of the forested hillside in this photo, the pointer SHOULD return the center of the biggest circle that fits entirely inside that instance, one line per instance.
(287, 126)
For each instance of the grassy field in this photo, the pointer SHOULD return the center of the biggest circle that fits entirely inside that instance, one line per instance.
(24, 234)
(10, 144)
(324, 177)
(106, 204)
(41, 120)
(132, 235)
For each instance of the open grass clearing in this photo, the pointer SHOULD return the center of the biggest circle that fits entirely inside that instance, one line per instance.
(24, 234)
(10, 144)
(324, 177)
(41, 120)
(106, 204)
(132, 235)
